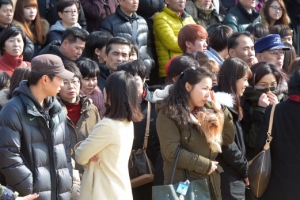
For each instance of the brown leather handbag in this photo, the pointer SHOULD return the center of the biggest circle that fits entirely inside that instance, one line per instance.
(140, 167)
(260, 165)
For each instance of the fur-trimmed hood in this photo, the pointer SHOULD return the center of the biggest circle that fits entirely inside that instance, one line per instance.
(4, 96)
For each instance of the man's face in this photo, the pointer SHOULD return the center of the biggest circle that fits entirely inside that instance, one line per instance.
(52, 87)
(6, 14)
(272, 56)
(244, 50)
(176, 5)
(69, 16)
(129, 6)
(72, 50)
(118, 53)
(248, 4)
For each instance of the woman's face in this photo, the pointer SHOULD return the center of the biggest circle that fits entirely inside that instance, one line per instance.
(241, 85)
(14, 46)
(268, 80)
(205, 3)
(199, 45)
(88, 85)
(70, 90)
(199, 93)
(69, 15)
(30, 13)
(275, 10)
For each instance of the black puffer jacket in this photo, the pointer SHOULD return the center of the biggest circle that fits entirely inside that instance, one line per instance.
(35, 146)
(119, 24)
(239, 19)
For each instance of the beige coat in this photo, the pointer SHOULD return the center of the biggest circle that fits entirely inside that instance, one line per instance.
(108, 178)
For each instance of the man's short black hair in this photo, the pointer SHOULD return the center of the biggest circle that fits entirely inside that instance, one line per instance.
(218, 39)
(34, 77)
(116, 40)
(5, 2)
(232, 40)
(71, 34)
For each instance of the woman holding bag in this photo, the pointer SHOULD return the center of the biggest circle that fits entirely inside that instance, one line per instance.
(285, 144)
(177, 125)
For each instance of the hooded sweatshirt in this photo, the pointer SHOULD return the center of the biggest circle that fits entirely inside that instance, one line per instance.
(56, 31)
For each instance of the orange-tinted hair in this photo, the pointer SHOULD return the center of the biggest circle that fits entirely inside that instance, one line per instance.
(284, 19)
(35, 31)
(190, 33)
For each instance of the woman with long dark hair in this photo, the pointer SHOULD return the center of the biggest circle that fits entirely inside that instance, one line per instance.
(27, 16)
(274, 12)
(178, 124)
(233, 79)
(111, 142)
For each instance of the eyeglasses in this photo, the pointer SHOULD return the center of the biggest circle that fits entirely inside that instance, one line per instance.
(279, 9)
(276, 53)
(70, 11)
(73, 82)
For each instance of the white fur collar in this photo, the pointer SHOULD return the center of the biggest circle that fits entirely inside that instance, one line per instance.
(224, 99)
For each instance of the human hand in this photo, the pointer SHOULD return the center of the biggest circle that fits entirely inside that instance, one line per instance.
(28, 197)
(263, 100)
(214, 166)
(246, 181)
(94, 158)
(217, 107)
(272, 98)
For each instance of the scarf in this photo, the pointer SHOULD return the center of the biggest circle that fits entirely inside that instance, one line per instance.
(295, 97)
(202, 10)
(98, 100)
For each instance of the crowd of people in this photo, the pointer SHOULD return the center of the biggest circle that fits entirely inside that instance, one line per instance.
(79, 77)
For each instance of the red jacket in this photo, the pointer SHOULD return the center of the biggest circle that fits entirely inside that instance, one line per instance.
(9, 63)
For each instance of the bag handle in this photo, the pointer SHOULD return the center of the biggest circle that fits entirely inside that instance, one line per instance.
(174, 165)
(271, 119)
(145, 145)
(269, 133)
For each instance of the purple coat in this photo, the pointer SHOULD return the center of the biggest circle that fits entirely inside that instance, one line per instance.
(97, 10)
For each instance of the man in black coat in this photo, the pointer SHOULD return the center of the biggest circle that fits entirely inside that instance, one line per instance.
(242, 15)
(34, 138)
(126, 23)
(71, 45)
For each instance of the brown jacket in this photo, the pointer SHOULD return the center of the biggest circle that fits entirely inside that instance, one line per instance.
(197, 156)
(88, 119)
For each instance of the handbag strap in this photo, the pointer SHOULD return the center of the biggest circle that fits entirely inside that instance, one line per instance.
(269, 133)
(271, 120)
(174, 165)
(145, 145)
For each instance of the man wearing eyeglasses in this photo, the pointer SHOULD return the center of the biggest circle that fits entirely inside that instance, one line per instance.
(270, 49)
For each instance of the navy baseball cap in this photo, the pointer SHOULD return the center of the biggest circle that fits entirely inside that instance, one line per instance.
(269, 42)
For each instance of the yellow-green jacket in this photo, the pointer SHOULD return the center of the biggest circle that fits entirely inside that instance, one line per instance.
(167, 25)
